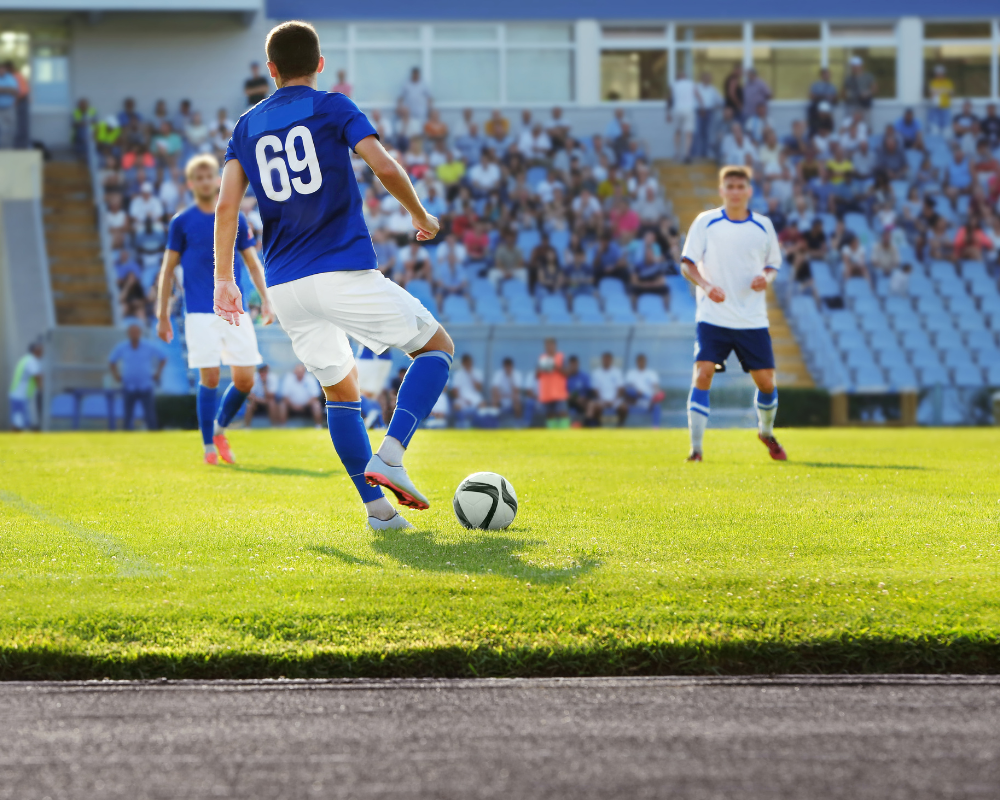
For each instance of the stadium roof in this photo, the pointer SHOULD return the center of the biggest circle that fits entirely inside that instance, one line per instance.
(100, 6)
(630, 9)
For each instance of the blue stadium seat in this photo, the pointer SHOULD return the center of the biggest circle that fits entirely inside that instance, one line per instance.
(929, 305)
(480, 288)
(920, 284)
(941, 271)
(858, 225)
(535, 176)
(650, 307)
(611, 287)
(869, 378)
(857, 288)
(849, 339)
(619, 309)
(528, 240)
(906, 321)
(866, 307)
(829, 223)
(986, 356)
(971, 322)
(913, 160)
(554, 310)
(840, 321)
(938, 322)
(967, 376)
(560, 241)
(422, 291)
(947, 338)
(993, 375)
(962, 305)
(924, 358)
(803, 308)
(586, 310)
(915, 340)
(894, 305)
(823, 280)
(932, 375)
(902, 377)
(858, 357)
(523, 313)
(456, 309)
(889, 353)
(516, 289)
(874, 322)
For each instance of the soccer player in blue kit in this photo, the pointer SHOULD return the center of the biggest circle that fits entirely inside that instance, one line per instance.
(732, 255)
(319, 262)
(210, 341)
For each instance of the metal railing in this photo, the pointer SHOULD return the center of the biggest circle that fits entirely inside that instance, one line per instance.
(107, 253)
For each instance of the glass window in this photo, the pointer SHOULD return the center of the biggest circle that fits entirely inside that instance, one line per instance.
(709, 33)
(861, 30)
(465, 33)
(466, 76)
(716, 61)
(957, 30)
(634, 31)
(785, 33)
(336, 60)
(387, 33)
(50, 80)
(382, 73)
(879, 61)
(545, 32)
(789, 71)
(330, 33)
(634, 75)
(968, 66)
(539, 76)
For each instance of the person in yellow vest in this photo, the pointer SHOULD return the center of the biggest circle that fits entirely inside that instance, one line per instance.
(107, 132)
(940, 90)
(25, 386)
(83, 115)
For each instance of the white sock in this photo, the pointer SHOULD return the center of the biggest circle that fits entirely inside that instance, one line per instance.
(391, 451)
(767, 408)
(217, 429)
(380, 509)
(209, 448)
(696, 424)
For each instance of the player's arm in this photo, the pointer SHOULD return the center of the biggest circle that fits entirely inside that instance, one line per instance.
(397, 183)
(256, 270)
(164, 290)
(690, 271)
(771, 262)
(228, 300)
(694, 251)
(765, 279)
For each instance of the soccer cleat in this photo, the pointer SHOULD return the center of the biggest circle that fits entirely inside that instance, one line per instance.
(222, 445)
(395, 479)
(694, 456)
(776, 450)
(396, 523)
(212, 458)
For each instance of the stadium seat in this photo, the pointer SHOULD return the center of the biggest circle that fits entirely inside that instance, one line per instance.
(535, 176)
(560, 241)
(523, 313)
(610, 287)
(517, 290)
(650, 308)
(826, 285)
(528, 240)
(986, 356)
(422, 291)
(942, 271)
(902, 377)
(993, 375)
(859, 356)
(869, 379)
(829, 223)
(947, 339)
(967, 376)
(858, 225)
(888, 354)
(619, 309)
(929, 304)
(932, 375)
(857, 288)
(482, 288)
(938, 322)
(586, 310)
(849, 339)
(924, 358)
(894, 305)
(866, 306)
(971, 321)
(840, 321)
(554, 310)
(456, 309)
(490, 312)
(915, 340)
(908, 321)
(874, 323)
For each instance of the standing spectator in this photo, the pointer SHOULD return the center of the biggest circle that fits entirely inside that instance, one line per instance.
(860, 87)
(578, 387)
(300, 396)
(964, 127)
(822, 90)
(84, 116)
(940, 90)
(255, 87)
(342, 85)
(132, 365)
(9, 90)
(708, 102)
(507, 388)
(989, 127)
(756, 92)
(416, 96)
(608, 384)
(642, 389)
(732, 91)
(25, 386)
(550, 373)
(467, 388)
(681, 106)
(263, 397)
(116, 220)
(21, 107)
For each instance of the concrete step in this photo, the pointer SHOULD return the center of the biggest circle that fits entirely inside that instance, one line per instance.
(78, 286)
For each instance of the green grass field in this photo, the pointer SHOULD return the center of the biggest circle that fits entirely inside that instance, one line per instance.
(871, 550)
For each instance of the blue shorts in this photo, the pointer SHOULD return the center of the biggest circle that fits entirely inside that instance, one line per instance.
(752, 346)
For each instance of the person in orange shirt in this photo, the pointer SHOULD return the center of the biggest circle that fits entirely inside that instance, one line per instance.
(20, 106)
(552, 393)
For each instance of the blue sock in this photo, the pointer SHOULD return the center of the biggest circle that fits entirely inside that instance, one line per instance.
(767, 408)
(231, 402)
(206, 412)
(350, 440)
(657, 412)
(422, 386)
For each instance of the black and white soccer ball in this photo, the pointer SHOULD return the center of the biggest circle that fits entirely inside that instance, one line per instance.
(485, 500)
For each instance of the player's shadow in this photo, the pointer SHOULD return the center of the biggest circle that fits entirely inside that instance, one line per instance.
(340, 555)
(838, 465)
(294, 472)
(485, 554)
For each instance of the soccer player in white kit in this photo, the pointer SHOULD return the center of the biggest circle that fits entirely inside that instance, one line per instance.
(732, 255)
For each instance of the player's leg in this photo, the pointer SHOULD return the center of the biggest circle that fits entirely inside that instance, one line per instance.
(698, 406)
(753, 347)
(240, 354)
(204, 345)
(208, 387)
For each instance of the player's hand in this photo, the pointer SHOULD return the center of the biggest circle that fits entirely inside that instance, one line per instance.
(165, 330)
(715, 294)
(228, 301)
(266, 312)
(759, 284)
(427, 228)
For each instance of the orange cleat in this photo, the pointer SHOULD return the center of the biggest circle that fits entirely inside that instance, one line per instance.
(222, 445)
(694, 456)
(776, 450)
(212, 458)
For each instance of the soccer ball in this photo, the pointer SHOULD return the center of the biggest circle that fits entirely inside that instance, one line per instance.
(485, 500)
(546, 363)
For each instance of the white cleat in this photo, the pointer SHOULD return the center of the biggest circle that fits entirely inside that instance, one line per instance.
(395, 479)
(396, 523)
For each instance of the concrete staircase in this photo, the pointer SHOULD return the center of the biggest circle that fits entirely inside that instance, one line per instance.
(79, 285)
(693, 188)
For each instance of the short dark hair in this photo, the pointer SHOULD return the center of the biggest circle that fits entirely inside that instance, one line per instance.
(293, 47)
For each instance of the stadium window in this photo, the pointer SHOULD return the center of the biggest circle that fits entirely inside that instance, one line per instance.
(879, 61)
(786, 33)
(634, 31)
(539, 76)
(466, 76)
(336, 60)
(709, 33)
(716, 61)
(860, 30)
(968, 66)
(958, 30)
(387, 33)
(331, 33)
(380, 73)
(531, 33)
(633, 75)
(466, 33)
(789, 71)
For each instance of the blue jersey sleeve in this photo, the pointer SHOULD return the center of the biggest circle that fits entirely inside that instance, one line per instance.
(354, 125)
(244, 236)
(230, 150)
(175, 235)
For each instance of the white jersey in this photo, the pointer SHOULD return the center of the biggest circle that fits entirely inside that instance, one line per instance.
(730, 255)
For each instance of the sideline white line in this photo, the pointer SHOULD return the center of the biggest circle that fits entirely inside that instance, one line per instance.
(127, 565)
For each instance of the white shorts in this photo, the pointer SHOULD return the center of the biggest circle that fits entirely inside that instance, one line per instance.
(212, 341)
(684, 121)
(319, 311)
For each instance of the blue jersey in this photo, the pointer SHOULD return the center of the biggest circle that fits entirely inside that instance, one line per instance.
(192, 234)
(294, 148)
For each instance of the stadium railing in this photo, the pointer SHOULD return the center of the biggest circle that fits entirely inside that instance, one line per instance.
(107, 254)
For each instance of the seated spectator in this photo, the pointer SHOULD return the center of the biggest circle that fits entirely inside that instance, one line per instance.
(172, 190)
(757, 124)
(862, 161)
(649, 206)
(406, 128)
(610, 260)
(386, 252)
(450, 173)
(971, 243)
(300, 393)
(899, 281)
(433, 201)
(586, 208)
(815, 240)
(608, 385)
(623, 219)
(167, 145)
(508, 262)
(989, 127)
(132, 296)
(126, 265)
(890, 162)
(467, 387)
(965, 127)
(558, 129)
(986, 166)
(449, 272)
(853, 132)
(263, 397)
(146, 210)
(793, 245)
(908, 128)
(471, 144)
(885, 255)
(508, 387)
(958, 175)
(342, 85)
(137, 364)
(548, 275)
(796, 143)
(476, 241)
(642, 389)
(497, 129)
(579, 274)
(939, 245)
(821, 136)
(853, 257)
(550, 372)
(534, 144)
(435, 130)
(416, 266)
(116, 220)
(649, 268)
(738, 149)
(769, 155)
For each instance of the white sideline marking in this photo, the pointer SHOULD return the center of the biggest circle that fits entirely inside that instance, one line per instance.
(127, 565)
